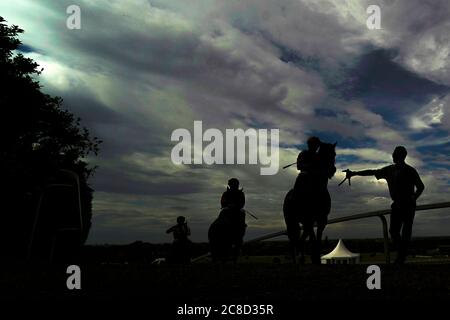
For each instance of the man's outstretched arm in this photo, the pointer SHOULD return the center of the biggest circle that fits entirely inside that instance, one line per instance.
(366, 173)
(363, 173)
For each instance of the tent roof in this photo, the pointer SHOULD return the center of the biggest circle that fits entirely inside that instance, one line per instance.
(340, 252)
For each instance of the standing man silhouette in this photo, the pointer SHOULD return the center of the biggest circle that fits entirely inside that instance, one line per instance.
(405, 187)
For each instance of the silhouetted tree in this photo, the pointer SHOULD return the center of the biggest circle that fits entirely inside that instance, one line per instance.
(37, 137)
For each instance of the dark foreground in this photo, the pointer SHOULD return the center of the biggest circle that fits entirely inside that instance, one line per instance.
(207, 282)
(164, 289)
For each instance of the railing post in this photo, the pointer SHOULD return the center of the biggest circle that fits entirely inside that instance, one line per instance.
(386, 239)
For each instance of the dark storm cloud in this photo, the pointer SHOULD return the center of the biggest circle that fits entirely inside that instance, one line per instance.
(120, 132)
(91, 110)
(117, 181)
(422, 39)
(377, 73)
(26, 49)
(377, 77)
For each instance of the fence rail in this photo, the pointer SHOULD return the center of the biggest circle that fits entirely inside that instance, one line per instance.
(379, 213)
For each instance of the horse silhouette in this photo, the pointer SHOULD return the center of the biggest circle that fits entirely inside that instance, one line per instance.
(226, 234)
(309, 204)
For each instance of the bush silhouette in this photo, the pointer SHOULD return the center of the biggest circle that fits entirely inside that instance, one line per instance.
(38, 137)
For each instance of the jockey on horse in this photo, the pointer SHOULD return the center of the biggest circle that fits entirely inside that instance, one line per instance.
(227, 232)
(309, 201)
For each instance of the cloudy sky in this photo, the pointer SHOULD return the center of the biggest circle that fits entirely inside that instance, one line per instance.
(137, 70)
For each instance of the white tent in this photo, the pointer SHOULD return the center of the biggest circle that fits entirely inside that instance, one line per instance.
(340, 255)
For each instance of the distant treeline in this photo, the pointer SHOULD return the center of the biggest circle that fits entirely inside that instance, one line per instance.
(142, 252)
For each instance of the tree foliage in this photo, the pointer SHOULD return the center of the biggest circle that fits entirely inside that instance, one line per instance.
(37, 135)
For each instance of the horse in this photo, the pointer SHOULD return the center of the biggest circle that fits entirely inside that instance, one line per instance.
(310, 205)
(226, 234)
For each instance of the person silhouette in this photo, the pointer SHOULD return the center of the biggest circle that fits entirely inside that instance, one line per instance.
(307, 158)
(232, 203)
(312, 196)
(181, 242)
(307, 164)
(405, 187)
(233, 198)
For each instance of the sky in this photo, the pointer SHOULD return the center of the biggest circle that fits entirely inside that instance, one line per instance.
(138, 70)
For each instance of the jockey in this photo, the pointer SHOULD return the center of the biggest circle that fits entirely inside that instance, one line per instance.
(307, 159)
(180, 231)
(233, 198)
(181, 246)
(232, 202)
(307, 163)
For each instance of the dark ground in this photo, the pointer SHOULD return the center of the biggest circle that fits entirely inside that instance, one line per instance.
(291, 289)
(255, 279)
(242, 282)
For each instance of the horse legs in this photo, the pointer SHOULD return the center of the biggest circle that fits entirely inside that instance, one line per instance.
(320, 229)
(308, 231)
(317, 249)
(302, 242)
(308, 228)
